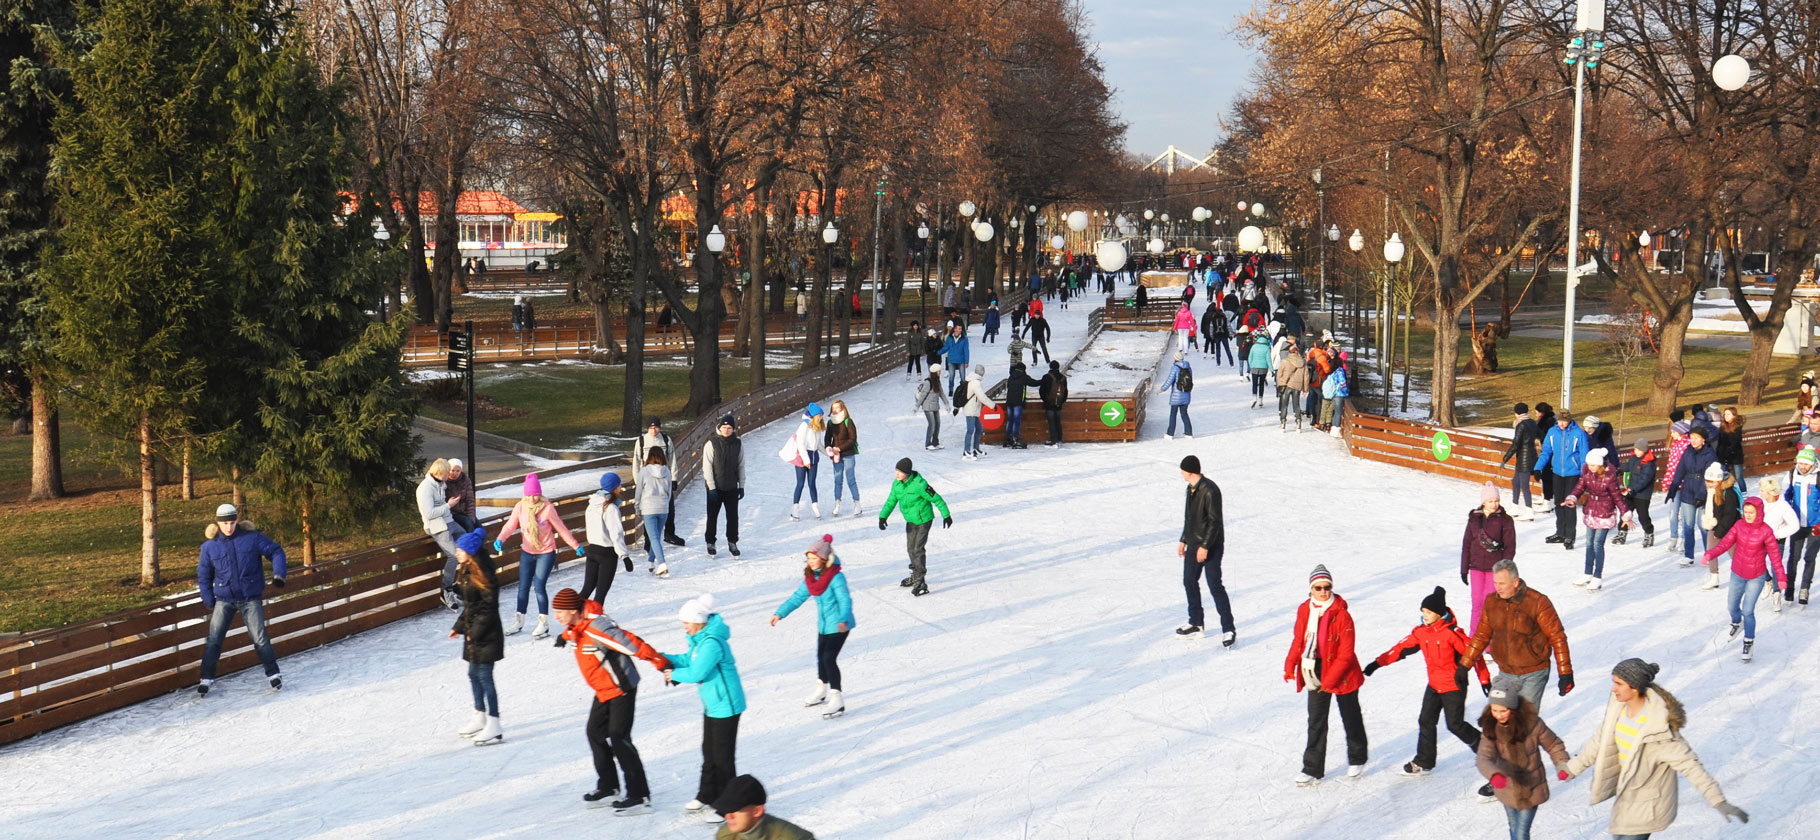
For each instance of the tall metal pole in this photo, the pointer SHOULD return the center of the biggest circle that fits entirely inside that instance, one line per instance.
(1573, 244)
(1321, 236)
(468, 326)
(878, 203)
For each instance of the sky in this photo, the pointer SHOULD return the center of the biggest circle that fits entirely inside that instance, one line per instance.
(1174, 65)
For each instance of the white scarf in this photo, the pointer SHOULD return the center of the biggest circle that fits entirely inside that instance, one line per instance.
(1311, 641)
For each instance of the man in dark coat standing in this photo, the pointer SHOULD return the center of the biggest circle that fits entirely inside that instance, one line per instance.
(1202, 544)
(1523, 449)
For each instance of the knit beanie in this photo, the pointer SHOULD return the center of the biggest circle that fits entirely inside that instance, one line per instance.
(1682, 427)
(1590, 422)
(813, 410)
(1320, 573)
(1596, 458)
(1191, 464)
(471, 542)
(1806, 456)
(1436, 602)
(697, 609)
(1640, 444)
(533, 486)
(609, 481)
(979, 369)
(1522, 408)
(654, 420)
(1714, 472)
(1489, 493)
(1055, 365)
(1504, 691)
(1636, 673)
(566, 599)
(821, 546)
(903, 466)
(727, 420)
(1696, 430)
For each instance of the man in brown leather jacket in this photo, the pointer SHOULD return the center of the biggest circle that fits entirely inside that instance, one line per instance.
(1521, 628)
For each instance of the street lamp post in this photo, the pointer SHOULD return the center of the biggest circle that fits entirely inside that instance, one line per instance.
(922, 302)
(1582, 52)
(878, 204)
(1393, 254)
(1320, 194)
(830, 235)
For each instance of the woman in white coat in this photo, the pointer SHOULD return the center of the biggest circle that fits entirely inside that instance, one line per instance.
(1782, 520)
(803, 452)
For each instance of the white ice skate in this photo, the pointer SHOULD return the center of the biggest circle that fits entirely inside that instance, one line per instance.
(836, 511)
(795, 512)
(490, 734)
(1583, 580)
(817, 508)
(1595, 585)
(1712, 582)
(819, 697)
(543, 628)
(1524, 513)
(517, 624)
(1355, 771)
(1305, 780)
(857, 510)
(837, 707)
(478, 723)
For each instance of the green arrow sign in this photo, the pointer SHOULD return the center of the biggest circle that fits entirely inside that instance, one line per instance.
(1112, 414)
(1442, 446)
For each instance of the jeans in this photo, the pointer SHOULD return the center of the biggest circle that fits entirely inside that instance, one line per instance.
(1566, 525)
(1434, 703)
(847, 467)
(610, 739)
(1630, 837)
(916, 544)
(807, 474)
(1519, 486)
(1595, 551)
(654, 544)
(1014, 423)
(719, 739)
(599, 569)
(1192, 572)
(971, 441)
(1054, 416)
(1690, 523)
(1182, 411)
(253, 613)
(954, 371)
(1314, 757)
(1531, 686)
(1332, 411)
(728, 499)
(1313, 410)
(1742, 601)
(539, 566)
(932, 435)
(827, 650)
(446, 542)
(1674, 519)
(1519, 821)
(480, 679)
(1287, 402)
(1215, 346)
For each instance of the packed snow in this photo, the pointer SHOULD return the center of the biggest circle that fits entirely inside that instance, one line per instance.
(1116, 361)
(1038, 691)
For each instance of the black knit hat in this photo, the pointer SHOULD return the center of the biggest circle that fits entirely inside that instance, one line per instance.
(1636, 673)
(1191, 464)
(653, 420)
(727, 420)
(903, 466)
(1522, 408)
(1436, 602)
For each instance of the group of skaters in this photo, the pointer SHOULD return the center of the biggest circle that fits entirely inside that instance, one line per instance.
(1636, 752)
(965, 392)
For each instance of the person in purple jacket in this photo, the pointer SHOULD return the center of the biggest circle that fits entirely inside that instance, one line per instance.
(230, 575)
(1490, 536)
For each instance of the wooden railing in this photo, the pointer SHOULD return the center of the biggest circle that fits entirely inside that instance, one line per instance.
(574, 339)
(1122, 313)
(53, 677)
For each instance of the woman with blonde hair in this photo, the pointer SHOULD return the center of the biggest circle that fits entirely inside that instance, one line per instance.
(843, 450)
(803, 452)
(537, 551)
(483, 636)
(651, 495)
(435, 510)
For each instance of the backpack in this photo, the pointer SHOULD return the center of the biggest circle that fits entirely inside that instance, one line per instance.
(922, 391)
(1184, 380)
(960, 393)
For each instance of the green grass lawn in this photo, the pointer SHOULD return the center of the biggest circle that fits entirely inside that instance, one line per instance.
(577, 406)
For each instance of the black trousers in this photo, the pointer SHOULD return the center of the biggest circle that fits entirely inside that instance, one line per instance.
(1433, 704)
(1802, 546)
(1039, 345)
(1639, 504)
(915, 365)
(1565, 523)
(670, 524)
(719, 738)
(827, 650)
(1054, 416)
(610, 737)
(916, 543)
(601, 565)
(1314, 759)
(1192, 572)
(716, 500)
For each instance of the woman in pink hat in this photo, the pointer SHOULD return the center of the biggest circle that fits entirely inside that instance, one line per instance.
(536, 517)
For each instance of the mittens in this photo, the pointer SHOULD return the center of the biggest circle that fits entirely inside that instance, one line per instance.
(1371, 668)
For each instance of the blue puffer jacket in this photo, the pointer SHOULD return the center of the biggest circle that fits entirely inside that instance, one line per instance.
(1177, 397)
(232, 568)
(834, 606)
(1688, 484)
(990, 322)
(1564, 449)
(709, 663)
(954, 350)
(1259, 356)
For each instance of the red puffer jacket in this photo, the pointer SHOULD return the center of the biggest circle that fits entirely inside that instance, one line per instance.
(1442, 644)
(1340, 672)
(1756, 546)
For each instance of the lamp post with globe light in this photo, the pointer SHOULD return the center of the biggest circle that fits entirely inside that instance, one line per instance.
(922, 236)
(1582, 52)
(830, 235)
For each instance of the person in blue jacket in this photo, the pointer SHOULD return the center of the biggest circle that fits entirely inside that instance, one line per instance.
(1564, 450)
(1687, 488)
(1179, 375)
(990, 322)
(823, 582)
(709, 664)
(230, 575)
(955, 355)
(1257, 364)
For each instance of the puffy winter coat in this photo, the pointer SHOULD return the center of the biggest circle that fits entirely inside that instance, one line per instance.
(1637, 475)
(483, 638)
(1753, 544)
(806, 442)
(604, 652)
(1688, 482)
(709, 664)
(1258, 357)
(977, 400)
(232, 568)
(1339, 664)
(1336, 387)
(1292, 371)
(1521, 631)
(1676, 448)
(917, 499)
(990, 321)
(1730, 446)
(1514, 750)
(833, 607)
(930, 397)
(1184, 319)
(1803, 494)
(1647, 786)
(1564, 450)
(1018, 385)
(1441, 645)
(1522, 446)
(723, 463)
(1781, 518)
(913, 342)
(955, 350)
(932, 348)
(1177, 396)
(1487, 540)
(1603, 500)
(843, 436)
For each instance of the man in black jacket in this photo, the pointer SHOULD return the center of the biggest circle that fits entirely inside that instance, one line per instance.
(723, 470)
(1201, 546)
(1038, 333)
(1523, 448)
(1054, 392)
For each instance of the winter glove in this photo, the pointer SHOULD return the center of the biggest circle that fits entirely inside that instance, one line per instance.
(1567, 684)
(498, 547)
(1371, 668)
(581, 551)
(1815, 530)
(957, 412)
(1463, 580)
(1498, 781)
(1730, 810)
(1485, 687)
(741, 495)
(947, 522)
(881, 524)
(278, 582)
(561, 641)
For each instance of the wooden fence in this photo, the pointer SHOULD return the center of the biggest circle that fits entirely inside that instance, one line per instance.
(1475, 456)
(53, 677)
(1121, 313)
(1081, 421)
(574, 339)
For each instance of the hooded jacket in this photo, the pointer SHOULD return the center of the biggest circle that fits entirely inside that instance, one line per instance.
(976, 396)
(1564, 450)
(232, 568)
(709, 664)
(930, 397)
(1339, 664)
(1184, 318)
(1753, 545)
(603, 524)
(1637, 475)
(1646, 787)
(1292, 371)
(1803, 494)
(917, 499)
(955, 349)
(1521, 632)
(1487, 540)
(1514, 750)
(1601, 501)
(1053, 389)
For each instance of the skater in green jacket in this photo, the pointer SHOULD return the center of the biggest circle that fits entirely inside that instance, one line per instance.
(916, 496)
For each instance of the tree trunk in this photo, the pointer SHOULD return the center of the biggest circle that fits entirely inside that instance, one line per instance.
(849, 287)
(755, 290)
(1446, 356)
(1756, 363)
(448, 253)
(606, 346)
(47, 444)
(894, 274)
(148, 505)
(188, 492)
(423, 295)
(309, 530)
(710, 314)
(1665, 390)
(632, 404)
(239, 495)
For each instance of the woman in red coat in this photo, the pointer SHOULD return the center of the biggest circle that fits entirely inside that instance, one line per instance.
(1321, 659)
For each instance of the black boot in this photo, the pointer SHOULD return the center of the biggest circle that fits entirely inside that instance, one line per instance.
(1555, 538)
(1618, 539)
(1568, 543)
(1649, 539)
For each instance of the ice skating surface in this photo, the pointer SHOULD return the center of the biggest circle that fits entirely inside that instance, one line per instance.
(1038, 691)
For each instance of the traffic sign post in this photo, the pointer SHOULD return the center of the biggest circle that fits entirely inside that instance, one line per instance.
(992, 418)
(461, 358)
(1112, 414)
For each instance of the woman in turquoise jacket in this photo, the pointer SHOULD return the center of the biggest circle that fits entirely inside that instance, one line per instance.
(1257, 361)
(823, 581)
(709, 664)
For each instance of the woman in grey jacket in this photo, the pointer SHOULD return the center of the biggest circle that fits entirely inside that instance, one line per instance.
(931, 401)
(652, 491)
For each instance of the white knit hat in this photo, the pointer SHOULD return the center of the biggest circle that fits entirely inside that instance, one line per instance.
(1596, 458)
(1714, 472)
(697, 609)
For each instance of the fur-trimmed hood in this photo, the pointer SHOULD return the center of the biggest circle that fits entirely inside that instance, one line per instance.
(214, 528)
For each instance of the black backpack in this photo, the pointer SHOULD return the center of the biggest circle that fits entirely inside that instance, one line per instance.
(960, 393)
(1184, 380)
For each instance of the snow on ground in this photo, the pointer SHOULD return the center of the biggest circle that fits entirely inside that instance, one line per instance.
(1038, 691)
(1116, 362)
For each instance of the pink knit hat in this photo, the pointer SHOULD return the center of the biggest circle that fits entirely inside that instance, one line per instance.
(1489, 493)
(533, 487)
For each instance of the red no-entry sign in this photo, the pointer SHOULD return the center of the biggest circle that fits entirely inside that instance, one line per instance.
(992, 418)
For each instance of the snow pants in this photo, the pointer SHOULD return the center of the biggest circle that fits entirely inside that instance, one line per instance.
(610, 737)
(729, 500)
(1434, 703)
(1192, 572)
(916, 542)
(1314, 758)
(719, 737)
(598, 570)
(827, 652)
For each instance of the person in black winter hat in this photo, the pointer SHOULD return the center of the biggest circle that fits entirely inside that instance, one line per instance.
(1201, 547)
(723, 472)
(743, 806)
(1440, 641)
